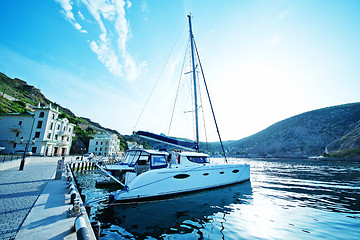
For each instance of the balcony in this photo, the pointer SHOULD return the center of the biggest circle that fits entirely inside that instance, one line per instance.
(62, 143)
(63, 133)
(18, 128)
(14, 139)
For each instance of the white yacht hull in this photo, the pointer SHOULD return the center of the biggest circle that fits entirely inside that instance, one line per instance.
(161, 183)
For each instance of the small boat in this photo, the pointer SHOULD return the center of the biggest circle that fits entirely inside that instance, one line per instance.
(152, 174)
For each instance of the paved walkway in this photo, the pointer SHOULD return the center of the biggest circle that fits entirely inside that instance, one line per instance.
(32, 204)
(19, 190)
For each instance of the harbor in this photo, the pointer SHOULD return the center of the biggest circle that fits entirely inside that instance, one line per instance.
(285, 199)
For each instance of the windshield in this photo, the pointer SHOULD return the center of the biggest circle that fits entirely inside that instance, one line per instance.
(158, 161)
(133, 157)
(198, 159)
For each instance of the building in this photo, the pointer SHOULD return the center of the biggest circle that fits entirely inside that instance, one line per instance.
(43, 132)
(105, 145)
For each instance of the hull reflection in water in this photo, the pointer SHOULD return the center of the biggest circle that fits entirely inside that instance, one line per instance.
(287, 199)
(178, 215)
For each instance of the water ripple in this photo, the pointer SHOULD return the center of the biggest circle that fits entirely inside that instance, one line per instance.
(286, 199)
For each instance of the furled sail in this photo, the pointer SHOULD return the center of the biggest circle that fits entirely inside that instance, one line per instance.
(191, 146)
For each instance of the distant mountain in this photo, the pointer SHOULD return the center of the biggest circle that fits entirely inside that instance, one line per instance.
(334, 130)
(17, 96)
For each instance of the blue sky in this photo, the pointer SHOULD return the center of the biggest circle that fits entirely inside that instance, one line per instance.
(264, 60)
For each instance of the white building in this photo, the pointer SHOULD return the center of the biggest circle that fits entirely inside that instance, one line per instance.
(105, 145)
(43, 132)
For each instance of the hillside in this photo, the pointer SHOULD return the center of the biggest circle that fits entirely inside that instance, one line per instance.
(332, 131)
(334, 128)
(17, 96)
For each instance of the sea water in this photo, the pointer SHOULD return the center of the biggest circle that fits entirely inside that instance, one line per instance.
(285, 199)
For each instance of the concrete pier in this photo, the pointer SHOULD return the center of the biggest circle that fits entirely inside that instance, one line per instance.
(33, 205)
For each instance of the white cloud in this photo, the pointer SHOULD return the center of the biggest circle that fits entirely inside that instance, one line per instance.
(128, 3)
(111, 45)
(81, 16)
(67, 11)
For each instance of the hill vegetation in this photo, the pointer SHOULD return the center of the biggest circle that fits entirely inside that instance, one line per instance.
(331, 132)
(17, 96)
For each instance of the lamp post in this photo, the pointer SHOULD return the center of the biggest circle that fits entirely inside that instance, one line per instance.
(22, 163)
(26, 146)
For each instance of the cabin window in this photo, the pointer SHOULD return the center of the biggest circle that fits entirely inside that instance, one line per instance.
(181, 176)
(158, 161)
(198, 159)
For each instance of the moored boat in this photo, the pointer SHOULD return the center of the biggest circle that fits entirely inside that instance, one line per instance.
(158, 174)
(151, 174)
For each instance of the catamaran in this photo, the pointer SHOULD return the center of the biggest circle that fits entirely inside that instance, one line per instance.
(152, 174)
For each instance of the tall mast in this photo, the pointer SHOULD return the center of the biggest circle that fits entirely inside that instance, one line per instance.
(194, 77)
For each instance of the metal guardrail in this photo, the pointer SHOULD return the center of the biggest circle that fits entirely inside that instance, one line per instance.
(11, 157)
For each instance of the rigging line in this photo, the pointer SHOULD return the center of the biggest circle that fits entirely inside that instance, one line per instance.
(167, 60)
(203, 115)
(212, 109)
(177, 91)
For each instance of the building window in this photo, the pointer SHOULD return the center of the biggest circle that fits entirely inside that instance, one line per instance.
(51, 126)
(49, 135)
(101, 143)
(69, 129)
(53, 116)
(39, 125)
(41, 115)
(14, 146)
(17, 134)
(100, 149)
(96, 143)
(95, 149)
(37, 134)
(20, 123)
(56, 137)
(67, 138)
(33, 150)
(62, 138)
(58, 127)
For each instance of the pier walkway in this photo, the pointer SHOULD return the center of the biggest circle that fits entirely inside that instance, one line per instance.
(33, 205)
